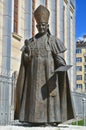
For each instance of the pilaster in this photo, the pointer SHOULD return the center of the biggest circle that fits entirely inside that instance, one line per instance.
(28, 18)
(7, 22)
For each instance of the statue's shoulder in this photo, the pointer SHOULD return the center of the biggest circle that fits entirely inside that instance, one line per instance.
(56, 44)
(51, 37)
(54, 39)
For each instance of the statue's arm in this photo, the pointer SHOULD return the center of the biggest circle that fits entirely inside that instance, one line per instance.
(59, 60)
(58, 50)
(56, 45)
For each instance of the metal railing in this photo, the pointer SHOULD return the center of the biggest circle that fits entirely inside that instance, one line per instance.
(7, 86)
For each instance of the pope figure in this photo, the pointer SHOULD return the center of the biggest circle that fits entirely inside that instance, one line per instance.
(43, 95)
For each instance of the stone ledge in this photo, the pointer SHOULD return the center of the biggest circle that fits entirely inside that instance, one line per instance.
(60, 127)
(27, 128)
(16, 36)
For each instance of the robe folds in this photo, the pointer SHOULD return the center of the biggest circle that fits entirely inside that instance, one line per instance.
(42, 95)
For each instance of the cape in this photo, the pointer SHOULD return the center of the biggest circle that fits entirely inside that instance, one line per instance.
(43, 96)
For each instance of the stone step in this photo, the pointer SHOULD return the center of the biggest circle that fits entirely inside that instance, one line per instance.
(60, 127)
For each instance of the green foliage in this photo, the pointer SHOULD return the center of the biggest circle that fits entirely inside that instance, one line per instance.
(80, 123)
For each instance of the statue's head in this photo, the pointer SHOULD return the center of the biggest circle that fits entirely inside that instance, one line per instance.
(41, 15)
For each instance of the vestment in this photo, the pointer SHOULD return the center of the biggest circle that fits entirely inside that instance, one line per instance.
(40, 94)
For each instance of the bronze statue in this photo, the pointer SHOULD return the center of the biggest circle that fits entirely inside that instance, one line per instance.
(42, 93)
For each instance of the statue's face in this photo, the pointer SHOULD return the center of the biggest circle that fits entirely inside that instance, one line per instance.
(42, 27)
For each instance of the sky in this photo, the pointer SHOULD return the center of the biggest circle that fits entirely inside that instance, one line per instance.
(80, 18)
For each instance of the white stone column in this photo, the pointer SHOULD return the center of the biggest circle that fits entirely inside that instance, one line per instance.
(6, 54)
(28, 19)
(1, 31)
(61, 20)
(58, 18)
(68, 32)
(52, 19)
(6, 49)
(74, 54)
(12, 16)
(72, 45)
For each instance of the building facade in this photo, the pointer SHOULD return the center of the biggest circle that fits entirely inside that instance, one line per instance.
(17, 24)
(81, 65)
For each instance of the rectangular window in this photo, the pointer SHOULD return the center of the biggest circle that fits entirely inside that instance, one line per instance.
(79, 86)
(16, 16)
(85, 77)
(78, 68)
(46, 3)
(84, 68)
(85, 86)
(78, 59)
(79, 77)
(85, 58)
(78, 51)
(33, 20)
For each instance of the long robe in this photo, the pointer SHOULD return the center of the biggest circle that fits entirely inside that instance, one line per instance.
(42, 95)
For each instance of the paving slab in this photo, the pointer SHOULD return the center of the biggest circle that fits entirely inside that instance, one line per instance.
(60, 127)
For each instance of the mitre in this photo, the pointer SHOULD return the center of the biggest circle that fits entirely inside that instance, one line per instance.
(41, 14)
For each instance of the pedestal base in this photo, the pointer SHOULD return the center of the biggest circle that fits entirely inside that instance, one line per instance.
(60, 127)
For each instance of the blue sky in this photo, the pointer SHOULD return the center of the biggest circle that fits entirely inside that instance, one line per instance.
(80, 18)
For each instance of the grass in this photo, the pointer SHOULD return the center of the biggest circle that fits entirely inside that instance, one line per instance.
(80, 123)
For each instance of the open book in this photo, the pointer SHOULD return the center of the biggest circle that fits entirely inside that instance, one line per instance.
(63, 68)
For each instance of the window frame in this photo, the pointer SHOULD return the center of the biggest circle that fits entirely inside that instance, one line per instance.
(16, 7)
(78, 59)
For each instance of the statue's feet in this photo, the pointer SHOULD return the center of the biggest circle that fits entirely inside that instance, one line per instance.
(52, 124)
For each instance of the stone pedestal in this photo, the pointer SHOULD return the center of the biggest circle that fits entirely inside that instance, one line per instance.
(60, 127)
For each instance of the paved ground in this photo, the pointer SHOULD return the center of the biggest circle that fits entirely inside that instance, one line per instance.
(60, 127)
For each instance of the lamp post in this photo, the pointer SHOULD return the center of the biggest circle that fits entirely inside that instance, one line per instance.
(77, 119)
(83, 101)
